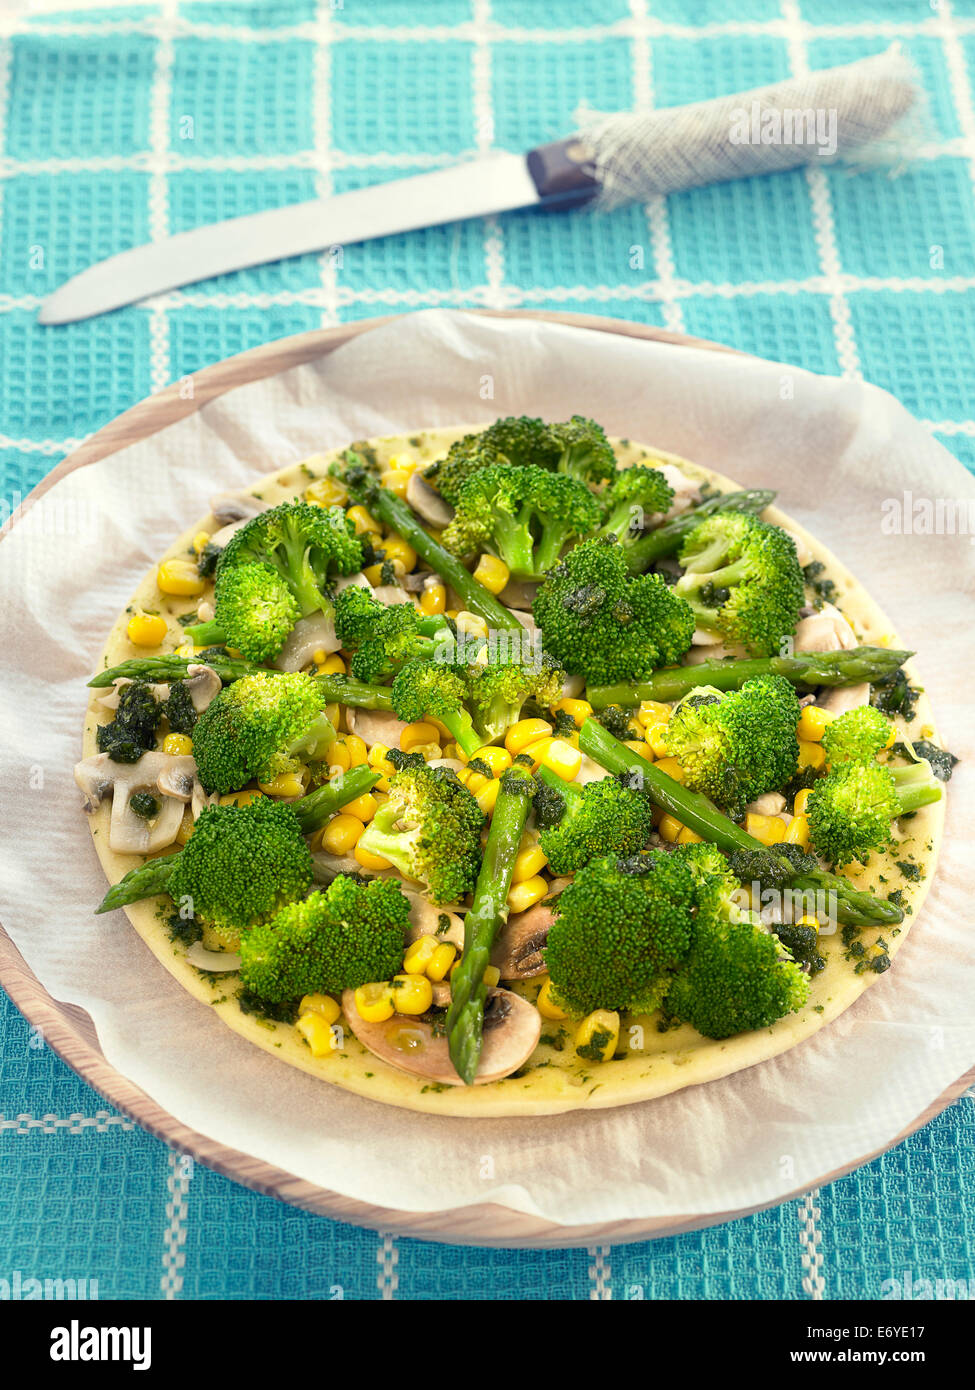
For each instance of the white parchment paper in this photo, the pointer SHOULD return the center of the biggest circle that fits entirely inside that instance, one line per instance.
(835, 450)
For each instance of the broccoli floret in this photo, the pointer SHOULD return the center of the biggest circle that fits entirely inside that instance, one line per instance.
(617, 720)
(772, 869)
(429, 689)
(338, 939)
(144, 805)
(549, 802)
(257, 728)
(743, 581)
(525, 516)
(305, 546)
(734, 746)
(850, 809)
(241, 865)
(604, 817)
(499, 688)
(635, 496)
(133, 730)
(384, 638)
(856, 736)
(802, 943)
(516, 440)
(621, 928)
(586, 453)
(429, 828)
(736, 976)
(942, 762)
(895, 696)
(600, 621)
(179, 708)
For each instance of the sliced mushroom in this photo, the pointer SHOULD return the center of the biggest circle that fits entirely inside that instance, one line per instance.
(573, 686)
(221, 537)
(454, 764)
(389, 594)
(512, 1028)
(160, 692)
(825, 631)
(845, 697)
(237, 506)
(686, 490)
(203, 685)
(213, 962)
(518, 946)
(714, 651)
(205, 611)
(375, 726)
(308, 636)
(352, 581)
(426, 502)
(425, 920)
(177, 778)
(129, 833)
(589, 771)
(519, 593)
(769, 804)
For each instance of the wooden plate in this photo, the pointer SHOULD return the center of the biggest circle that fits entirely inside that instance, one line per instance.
(69, 1030)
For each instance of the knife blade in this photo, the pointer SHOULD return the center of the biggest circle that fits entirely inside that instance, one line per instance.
(554, 175)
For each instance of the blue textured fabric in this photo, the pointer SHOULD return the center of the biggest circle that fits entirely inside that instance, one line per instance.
(129, 122)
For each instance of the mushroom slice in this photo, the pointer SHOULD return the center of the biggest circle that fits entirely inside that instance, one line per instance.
(519, 593)
(129, 833)
(309, 635)
(427, 502)
(425, 920)
(237, 506)
(111, 699)
(825, 631)
(214, 962)
(686, 490)
(178, 777)
(517, 950)
(845, 697)
(374, 726)
(512, 1028)
(203, 685)
(390, 594)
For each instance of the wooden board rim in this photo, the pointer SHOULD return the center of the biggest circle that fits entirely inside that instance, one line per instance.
(68, 1028)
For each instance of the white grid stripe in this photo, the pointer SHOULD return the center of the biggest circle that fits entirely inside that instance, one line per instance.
(101, 1122)
(387, 1258)
(174, 1236)
(494, 293)
(658, 218)
(822, 211)
(810, 1239)
(322, 119)
(159, 123)
(600, 1275)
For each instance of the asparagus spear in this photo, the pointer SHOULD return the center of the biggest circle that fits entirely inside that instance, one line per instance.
(804, 669)
(312, 811)
(465, 1017)
(852, 906)
(173, 668)
(397, 514)
(667, 539)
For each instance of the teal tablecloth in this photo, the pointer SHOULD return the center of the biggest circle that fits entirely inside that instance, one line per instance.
(124, 123)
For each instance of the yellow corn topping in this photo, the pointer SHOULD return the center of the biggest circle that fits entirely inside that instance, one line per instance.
(412, 994)
(398, 549)
(419, 954)
(653, 712)
(598, 1034)
(560, 757)
(797, 831)
(362, 521)
(801, 801)
(185, 826)
(433, 599)
(179, 577)
(415, 734)
(370, 861)
(528, 862)
(326, 492)
(395, 480)
(487, 796)
(812, 723)
(146, 629)
(374, 1002)
(492, 573)
(342, 833)
(320, 1036)
(656, 737)
(322, 1004)
(364, 807)
(239, 798)
(441, 961)
(200, 541)
(769, 829)
(810, 754)
(526, 894)
(546, 1005)
(177, 745)
(524, 732)
(669, 829)
(286, 784)
(688, 836)
(330, 665)
(578, 710)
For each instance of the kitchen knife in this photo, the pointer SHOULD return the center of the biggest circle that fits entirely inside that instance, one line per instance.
(832, 112)
(552, 176)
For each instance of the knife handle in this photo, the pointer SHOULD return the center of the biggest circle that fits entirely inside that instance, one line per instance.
(563, 173)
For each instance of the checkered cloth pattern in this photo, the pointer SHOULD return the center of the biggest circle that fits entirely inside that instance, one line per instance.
(127, 123)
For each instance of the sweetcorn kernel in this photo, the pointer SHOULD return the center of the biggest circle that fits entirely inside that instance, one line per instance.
(472, 624)
(487, 796)
(433, 600)
(810, 754)
(578, 710)
(524, 732)
(560, 757)
(689, 837)
(322, 1004)
(491, 976)
(179, 577)
(492, 573)
(339, 757)
(320, 1036)
(370, 861)
(200, 541)
(597, 1035)
(362, 521)
(669, 829)
(330, 665)
(358, 753)
(656, 737)
(415, 734)
(522, 896)
(146, 629)
(239, 798)
(546, 1005)
(374, 1002)
(395, 481)
(412, 994)
(528, 862)
(364, 807)
(769, 829)
(326, 492)
(419, 954)
(441, 961)
(398, 549)
(801, 801)
(177, 745)
(636, 745)
(671, 768)
(797, 831)
(286, 784)
(812, 723)
(185, 826)
(653, 712)
(342, 833)
(537, 752)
